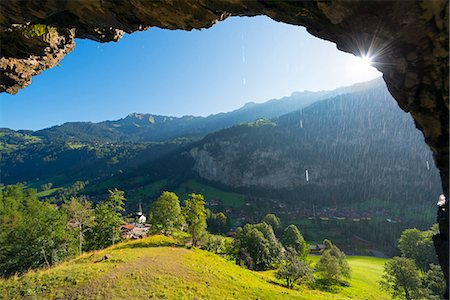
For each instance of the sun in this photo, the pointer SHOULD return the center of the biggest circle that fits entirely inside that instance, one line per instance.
(362, 62)
(362, 67)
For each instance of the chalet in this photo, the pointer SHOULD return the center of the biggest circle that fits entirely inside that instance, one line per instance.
(316, 249)
(360, 243)
(126, 231)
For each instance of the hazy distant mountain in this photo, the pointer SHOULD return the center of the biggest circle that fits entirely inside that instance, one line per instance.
(140, 127)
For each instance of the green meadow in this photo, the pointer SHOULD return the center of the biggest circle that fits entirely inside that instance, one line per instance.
(228, 199)
(160, 267)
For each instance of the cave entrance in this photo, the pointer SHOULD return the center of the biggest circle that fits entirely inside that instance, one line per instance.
(415, 66)
(238, 65)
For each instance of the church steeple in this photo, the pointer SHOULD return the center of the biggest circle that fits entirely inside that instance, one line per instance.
(139, 212)
(141, 219)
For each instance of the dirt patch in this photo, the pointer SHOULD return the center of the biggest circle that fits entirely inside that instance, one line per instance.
(152, 264)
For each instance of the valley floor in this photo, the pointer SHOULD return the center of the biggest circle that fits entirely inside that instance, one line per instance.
(159, 268)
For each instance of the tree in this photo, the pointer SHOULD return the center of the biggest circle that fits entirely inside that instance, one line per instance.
(195, 215)
(332, 265)
(47, 186)
(222, 222)
(216, 244)
(434, 281)
(165, 213)
(418, 245)
(275, 248)
(294, 239)
(293, 270)
(401, 279)
(217, 223)
(336, 252)
(81, 216)
(273, 221)
(32, 233)
(256, 246)
(328, 268)
(108, 216)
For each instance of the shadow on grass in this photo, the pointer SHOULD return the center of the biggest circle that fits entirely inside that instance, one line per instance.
(280, 284)
(151, 243)
(326, 286)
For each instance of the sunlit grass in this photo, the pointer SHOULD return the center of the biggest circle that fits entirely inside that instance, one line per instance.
(49, 192)
(365, 274)
(161, 267)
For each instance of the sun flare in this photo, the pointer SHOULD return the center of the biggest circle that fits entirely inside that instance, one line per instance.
(363, 61)
(363, 67)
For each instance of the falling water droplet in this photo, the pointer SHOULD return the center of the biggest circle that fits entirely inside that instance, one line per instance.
(307, 176)
(301, 124)
(428, 165)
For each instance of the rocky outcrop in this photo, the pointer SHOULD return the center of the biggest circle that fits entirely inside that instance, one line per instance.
(265, 169)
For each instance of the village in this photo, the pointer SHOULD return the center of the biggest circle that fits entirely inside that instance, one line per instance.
(138, 227)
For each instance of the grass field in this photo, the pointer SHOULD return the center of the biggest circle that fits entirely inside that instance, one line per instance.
(49, 192)
(159, 267)
(365, 274)
(228, 199)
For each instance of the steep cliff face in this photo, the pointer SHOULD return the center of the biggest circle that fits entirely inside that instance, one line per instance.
(359, 145)
(264, 168)
(408, 39)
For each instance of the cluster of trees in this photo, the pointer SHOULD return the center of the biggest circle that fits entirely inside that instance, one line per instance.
(415, 274)
(258, 248)
(167, 215)
(35, 233)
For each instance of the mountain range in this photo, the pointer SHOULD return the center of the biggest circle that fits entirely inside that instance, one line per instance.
(352, 142)
(139, 127)
(350, 154)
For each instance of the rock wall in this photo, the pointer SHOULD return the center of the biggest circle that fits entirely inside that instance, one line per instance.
(266, 169)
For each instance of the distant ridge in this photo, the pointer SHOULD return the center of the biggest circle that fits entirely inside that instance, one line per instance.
(144, 127)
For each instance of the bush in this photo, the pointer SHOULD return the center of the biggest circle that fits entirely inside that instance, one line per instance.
(216, 244)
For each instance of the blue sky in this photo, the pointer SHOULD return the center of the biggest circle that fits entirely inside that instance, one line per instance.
(182, 73)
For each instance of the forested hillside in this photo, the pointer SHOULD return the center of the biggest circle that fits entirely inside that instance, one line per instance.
(89, 151)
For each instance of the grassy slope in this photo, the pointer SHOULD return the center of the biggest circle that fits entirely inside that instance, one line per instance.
(139, 269)
(365, 274)
(229, 199)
